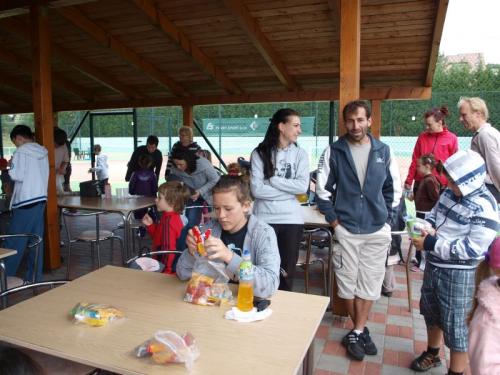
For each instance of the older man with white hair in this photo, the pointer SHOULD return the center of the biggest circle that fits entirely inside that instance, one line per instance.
(486, 139)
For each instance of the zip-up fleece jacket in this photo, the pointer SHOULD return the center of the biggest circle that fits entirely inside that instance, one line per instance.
(203, 179)
(193, 147)
(30, 172)
(165, 235)
(275, 201)
(466, 225)
(361, 210)
(261, 241)
(442, 145)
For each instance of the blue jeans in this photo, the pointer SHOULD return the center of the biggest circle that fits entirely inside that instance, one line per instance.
(26, 220)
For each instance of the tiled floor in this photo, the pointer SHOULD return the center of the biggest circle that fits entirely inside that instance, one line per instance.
(400, 335)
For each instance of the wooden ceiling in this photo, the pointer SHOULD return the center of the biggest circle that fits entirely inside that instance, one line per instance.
(137, 53)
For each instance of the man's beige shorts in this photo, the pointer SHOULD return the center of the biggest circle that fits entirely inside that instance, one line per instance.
(359, 262)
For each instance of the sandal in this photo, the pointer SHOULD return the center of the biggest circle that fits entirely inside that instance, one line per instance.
(425, 362)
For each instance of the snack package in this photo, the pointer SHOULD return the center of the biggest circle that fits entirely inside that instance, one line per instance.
(94, 314)
(168, 347)
(208, 284)
(200, 240)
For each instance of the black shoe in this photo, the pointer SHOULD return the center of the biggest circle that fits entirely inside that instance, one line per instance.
(425, 362)
(387, 294)
(345, 339)
(370, 347)
(356, 346)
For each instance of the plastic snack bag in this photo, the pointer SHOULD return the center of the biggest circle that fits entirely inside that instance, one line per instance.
(169, 347)
(94, 314)
(208, 284)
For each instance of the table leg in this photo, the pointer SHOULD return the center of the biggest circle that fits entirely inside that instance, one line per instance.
(308, 362)
(3, 283)
(98, 238)
(126, 235)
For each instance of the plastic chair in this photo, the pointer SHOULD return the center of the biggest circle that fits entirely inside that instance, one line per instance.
(308, 256)
(32, 244)
(51, 284)
(94, 237)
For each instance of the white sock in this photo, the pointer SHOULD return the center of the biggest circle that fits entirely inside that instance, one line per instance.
(357, 331)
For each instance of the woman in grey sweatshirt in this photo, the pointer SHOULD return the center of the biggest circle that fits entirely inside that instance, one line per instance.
(280, 171)
(197, 174)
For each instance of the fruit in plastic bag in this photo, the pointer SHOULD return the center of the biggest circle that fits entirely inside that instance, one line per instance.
(94, 314)
(169, 347)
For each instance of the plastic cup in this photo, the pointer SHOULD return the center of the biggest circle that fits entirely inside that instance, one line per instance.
(119, 193)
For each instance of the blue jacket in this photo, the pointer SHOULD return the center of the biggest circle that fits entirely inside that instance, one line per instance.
(339, 194)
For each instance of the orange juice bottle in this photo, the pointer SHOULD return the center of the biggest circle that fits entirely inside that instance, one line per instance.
(245, 289)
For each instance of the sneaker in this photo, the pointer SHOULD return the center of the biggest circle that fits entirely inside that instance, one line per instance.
(370, 347)
(425, 362)
(356, 346)
(346, 339)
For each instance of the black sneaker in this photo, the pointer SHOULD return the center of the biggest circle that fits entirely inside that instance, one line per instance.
(370, 347)
(356, 346)
(425, 362)
(345, 339)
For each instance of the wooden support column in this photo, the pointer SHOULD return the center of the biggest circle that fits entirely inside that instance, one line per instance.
(187, 115)
(350, 40)
(44, 123)
(376, 118)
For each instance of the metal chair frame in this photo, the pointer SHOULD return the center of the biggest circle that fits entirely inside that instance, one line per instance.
(34, 286)
(29, 246)
(312, 258)
(95, 241)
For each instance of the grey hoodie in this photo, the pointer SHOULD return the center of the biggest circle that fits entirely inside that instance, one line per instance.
(275, 201)
(261, 241)
(203, 179)
(30, 172)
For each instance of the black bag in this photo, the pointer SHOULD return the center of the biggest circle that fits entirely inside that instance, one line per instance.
(90, 188)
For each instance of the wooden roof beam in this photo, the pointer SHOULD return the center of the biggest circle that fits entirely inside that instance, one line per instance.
(98, 74)
(26, 66)
(16, 84)
(436, 39)
(80, 20)
(259, 40)
(160, 20)
(12, 8)
(371, 93)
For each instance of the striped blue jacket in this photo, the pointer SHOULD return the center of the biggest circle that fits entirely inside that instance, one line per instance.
(466, 224)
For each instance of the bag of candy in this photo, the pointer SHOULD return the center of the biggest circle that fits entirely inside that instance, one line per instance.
(94, 314)
(208, 283)
(169, 347)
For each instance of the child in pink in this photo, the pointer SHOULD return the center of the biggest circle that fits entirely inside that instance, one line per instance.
(484, 327)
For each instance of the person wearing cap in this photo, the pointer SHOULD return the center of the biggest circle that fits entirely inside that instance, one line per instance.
(29, 170)
(484, 323)
(464, 222)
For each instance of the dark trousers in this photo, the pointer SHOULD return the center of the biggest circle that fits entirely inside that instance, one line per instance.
(26, 220)
(289, 237)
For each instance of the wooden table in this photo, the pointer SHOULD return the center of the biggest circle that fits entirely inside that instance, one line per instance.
(151, 302)
(123, 206)
(4, 253)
